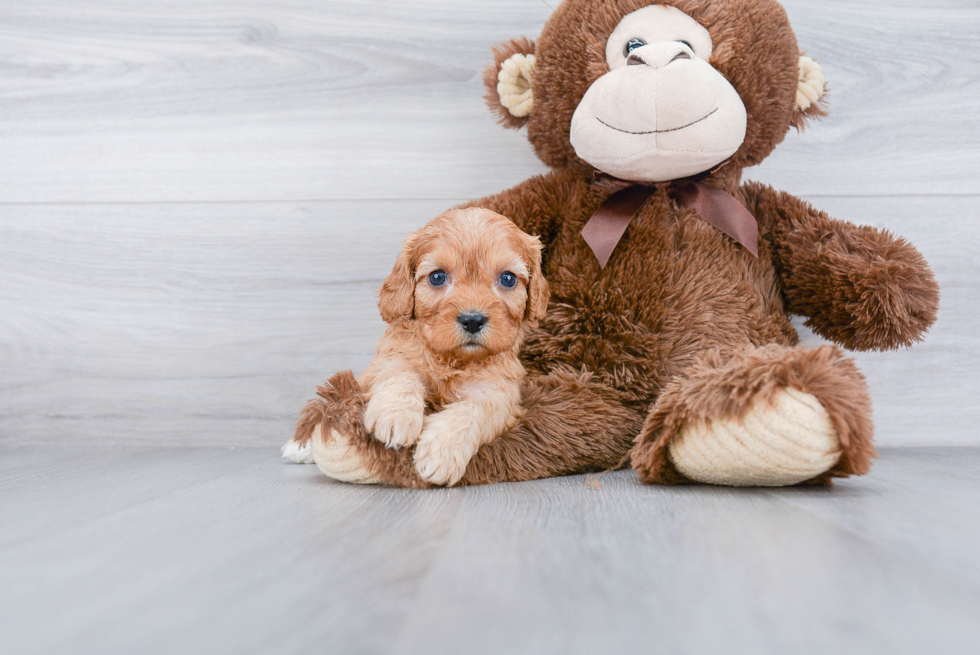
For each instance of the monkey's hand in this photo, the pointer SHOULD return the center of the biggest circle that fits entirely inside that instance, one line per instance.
(858, 286)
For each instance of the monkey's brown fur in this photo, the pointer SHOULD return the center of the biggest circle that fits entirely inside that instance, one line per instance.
(683, 324)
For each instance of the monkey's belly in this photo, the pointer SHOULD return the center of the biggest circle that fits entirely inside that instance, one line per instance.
(635, 341)
(601, 342)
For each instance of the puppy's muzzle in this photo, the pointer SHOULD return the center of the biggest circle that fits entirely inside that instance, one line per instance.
(472, 322)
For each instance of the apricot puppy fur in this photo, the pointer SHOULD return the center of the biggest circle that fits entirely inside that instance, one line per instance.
(446, 377)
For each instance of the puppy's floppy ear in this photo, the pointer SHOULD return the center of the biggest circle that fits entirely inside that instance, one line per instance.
(508, 80)
(811, 92)
(537, 287)
(396, 299)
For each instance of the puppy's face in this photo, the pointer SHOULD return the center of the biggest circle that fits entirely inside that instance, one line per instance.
(469, 279)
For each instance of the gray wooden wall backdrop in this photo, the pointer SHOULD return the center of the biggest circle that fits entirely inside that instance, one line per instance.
(199, 197)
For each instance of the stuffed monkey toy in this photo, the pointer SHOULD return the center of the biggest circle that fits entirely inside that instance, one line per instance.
(667, 345)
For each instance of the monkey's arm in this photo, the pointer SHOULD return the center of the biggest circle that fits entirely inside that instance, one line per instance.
(534, 205)
(858, 286)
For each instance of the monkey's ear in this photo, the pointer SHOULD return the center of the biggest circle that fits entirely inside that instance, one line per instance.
(396, 299)
(810, 92)
(508, 80)
(538, 292)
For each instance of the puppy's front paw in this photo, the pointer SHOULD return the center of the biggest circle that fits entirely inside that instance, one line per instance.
(442, 452)
(396, 424)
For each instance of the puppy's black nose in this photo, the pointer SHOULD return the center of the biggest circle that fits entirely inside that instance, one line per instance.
(472, 322)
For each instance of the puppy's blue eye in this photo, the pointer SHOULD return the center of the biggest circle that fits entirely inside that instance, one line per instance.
(508, 279)
(633, 45)
(437, 278)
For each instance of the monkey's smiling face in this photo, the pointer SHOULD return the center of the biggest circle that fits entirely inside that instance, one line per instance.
(662, 112)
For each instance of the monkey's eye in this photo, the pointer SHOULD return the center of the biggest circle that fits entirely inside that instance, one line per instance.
(633, 45)
(438, 278)
(508, 280)
(688, 45)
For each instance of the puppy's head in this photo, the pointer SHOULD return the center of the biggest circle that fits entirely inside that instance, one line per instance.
(469, 280)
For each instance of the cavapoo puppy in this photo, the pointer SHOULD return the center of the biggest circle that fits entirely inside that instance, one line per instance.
(446, 377)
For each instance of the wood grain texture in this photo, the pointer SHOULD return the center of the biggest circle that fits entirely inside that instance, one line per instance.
(226, 100)
(210, 324)
(264, 557)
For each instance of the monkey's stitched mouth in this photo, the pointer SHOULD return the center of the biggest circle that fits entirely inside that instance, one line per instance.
(673, 129)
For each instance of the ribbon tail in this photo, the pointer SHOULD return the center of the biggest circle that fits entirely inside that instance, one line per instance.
(723, 212)
(607, 226)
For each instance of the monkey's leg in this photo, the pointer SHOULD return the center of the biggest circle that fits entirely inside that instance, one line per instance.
(342, 448)
(771, 416)
(571, 424)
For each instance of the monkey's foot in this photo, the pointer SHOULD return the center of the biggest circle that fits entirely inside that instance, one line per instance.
(789, 442)
(343, 449)
(338, 457)
(771, 416)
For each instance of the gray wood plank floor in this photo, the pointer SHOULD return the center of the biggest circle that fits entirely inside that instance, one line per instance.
(207, 550)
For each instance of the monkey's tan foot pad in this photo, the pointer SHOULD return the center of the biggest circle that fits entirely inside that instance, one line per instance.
(779, 443)
(338, 458)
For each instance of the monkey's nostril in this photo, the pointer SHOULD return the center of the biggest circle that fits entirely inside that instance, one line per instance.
(634, 60)
(680, 55)
(472, 322)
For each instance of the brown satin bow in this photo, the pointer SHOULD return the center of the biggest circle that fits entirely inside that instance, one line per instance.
(717, 208)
